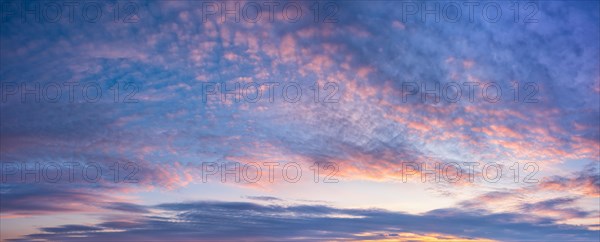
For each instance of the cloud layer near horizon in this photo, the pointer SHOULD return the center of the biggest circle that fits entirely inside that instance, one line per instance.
(218, 221)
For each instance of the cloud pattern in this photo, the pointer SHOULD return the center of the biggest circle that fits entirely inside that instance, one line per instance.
(371, 52)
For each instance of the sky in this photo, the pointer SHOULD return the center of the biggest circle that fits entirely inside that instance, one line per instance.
(299, 120)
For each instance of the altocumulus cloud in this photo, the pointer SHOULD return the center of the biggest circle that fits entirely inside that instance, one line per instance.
(170, 52)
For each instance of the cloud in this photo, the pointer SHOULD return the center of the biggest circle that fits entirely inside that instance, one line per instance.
(263, 198)
(210, 221)
(585, 182)
(28, 200)
(127, 207)
(71, 229)
(556, 207)
(369, 131)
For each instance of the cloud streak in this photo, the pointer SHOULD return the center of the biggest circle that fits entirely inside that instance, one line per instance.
(210, 221)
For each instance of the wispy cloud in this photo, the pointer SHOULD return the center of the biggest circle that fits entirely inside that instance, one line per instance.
(209, 221)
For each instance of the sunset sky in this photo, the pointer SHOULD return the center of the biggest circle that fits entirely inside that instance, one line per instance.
(120, 122)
